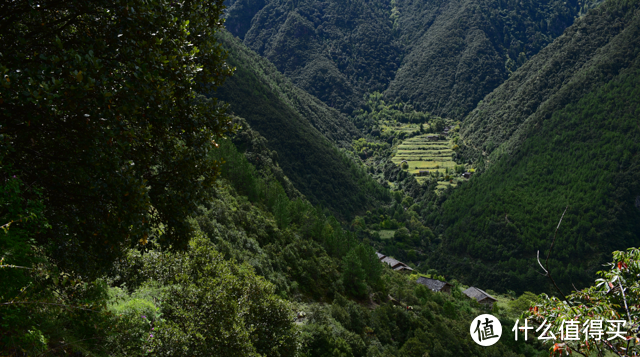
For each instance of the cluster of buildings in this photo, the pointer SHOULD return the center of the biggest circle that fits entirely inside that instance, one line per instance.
(479, 295)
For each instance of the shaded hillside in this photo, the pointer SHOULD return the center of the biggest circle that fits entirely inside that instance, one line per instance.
(441, 56)
(334, 50)
(459, 51)
(569, 126)
(301, 129)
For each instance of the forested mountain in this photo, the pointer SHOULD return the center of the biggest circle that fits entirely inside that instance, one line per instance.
(441, 56)
(563, 131)
(459, 51)
(335, 50)
(303, 131)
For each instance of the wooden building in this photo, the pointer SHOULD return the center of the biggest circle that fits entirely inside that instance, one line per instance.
(394, 264)
(480, 296)
(435, 285)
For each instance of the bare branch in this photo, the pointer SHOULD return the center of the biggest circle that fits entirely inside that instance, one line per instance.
(14, 266)
(546, 273)
(546, 263)
(625, 301)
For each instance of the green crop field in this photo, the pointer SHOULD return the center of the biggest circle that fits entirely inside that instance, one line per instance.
(422, 154)
(386, 233)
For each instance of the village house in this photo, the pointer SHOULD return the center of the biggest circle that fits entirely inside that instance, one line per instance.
(467, 175)
(435, 285)
(480, 296)
(432, 137)
(394, 264)
(422, 173)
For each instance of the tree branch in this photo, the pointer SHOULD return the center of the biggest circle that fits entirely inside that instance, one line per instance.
(14, 266)
(625, 301)
(612, 349)
(546, 263)
(577, 351)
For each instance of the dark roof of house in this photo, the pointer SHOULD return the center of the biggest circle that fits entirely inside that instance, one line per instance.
(433, 284)
(478, 294)
(402, 267)
(392, 262)
(380, 255)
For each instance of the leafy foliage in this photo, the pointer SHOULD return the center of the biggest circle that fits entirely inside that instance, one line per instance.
(616, 296)
(435, 324)
(211, 306)
(99, 109)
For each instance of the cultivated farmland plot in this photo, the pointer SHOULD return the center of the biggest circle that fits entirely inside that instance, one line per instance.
(422, 154)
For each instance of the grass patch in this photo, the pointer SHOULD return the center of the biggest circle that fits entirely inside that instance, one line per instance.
(386, 233)
(424, 155)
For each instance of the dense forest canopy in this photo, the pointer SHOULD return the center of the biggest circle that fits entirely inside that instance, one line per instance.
(101, 116)
(553, 136)
(303, 131)
(440, 56)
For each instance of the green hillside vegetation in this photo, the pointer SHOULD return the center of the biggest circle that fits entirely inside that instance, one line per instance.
(459, 51)
(440, 56)
(335, 50)
(309, 258)
(253, 244)
(588, 55)
(302, 130)
(585, 156)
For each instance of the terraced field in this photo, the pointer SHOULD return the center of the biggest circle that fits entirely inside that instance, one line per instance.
(424, 155)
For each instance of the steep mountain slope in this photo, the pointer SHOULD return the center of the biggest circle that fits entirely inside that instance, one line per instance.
(441, 56)
(334, 50)
(586, 56)
(567, 129)
(302, 130)
(459, 51)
